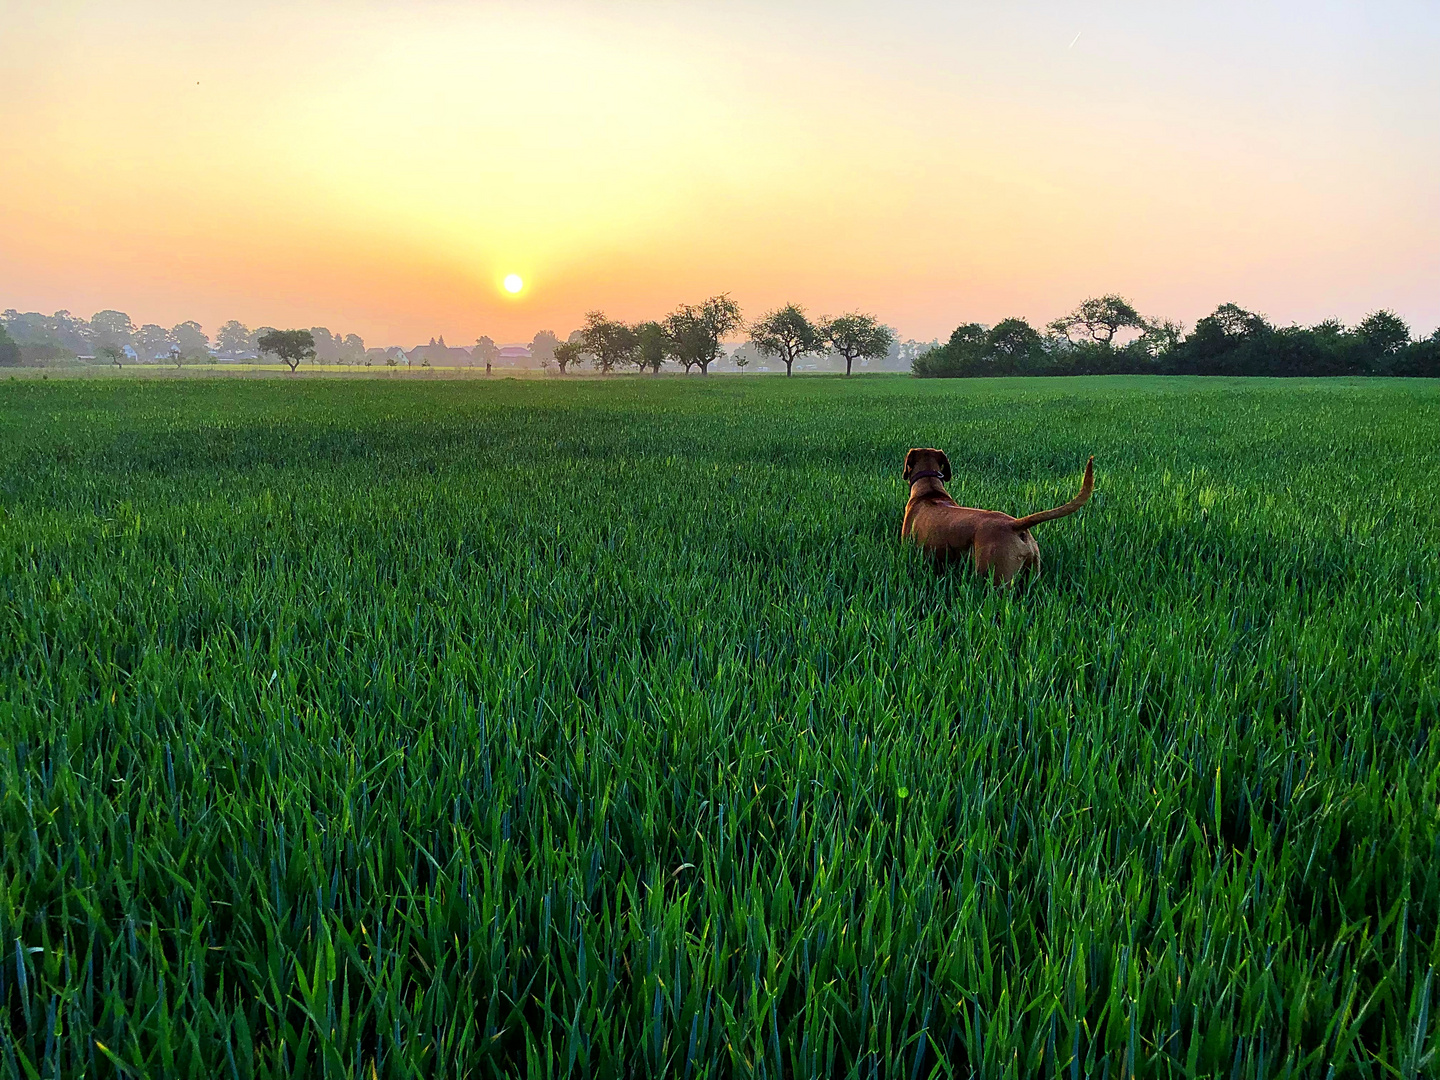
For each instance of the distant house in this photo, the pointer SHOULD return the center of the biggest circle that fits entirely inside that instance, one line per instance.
(514, 356)
(438, 353)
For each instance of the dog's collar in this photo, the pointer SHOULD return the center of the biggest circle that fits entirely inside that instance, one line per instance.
(926, 475)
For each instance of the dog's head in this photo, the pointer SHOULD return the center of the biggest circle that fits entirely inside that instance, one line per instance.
(925, 459)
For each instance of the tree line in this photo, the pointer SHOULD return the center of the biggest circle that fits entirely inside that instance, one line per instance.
(51, 337)
(692, 336)
(113, 336)
(1106, 335)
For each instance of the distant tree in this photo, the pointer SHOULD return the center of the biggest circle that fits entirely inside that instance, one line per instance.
(788, 333)
(962, 356)
(291, 346)
(152, 342)
(113, 353)
(1161, 336)
(1014, 347)
(257, 334)
(1233, 321)
(486, 351)
(190, 338)
(71, 334)
(856, 336)
(652, 346)
(1419, 359)
(695, 331)
(542, 348)
(327, 347)
(567, 353)
(352, 349)
(1100, 318)
(1229, 341)
(9, 348)
(111, 328)
(1384, 333)
(746, 354)
(609, 342)
(233, 338)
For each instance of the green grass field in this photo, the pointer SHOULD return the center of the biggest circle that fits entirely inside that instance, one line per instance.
(606, 729)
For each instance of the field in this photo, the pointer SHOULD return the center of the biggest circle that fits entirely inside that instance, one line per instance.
(605, 729)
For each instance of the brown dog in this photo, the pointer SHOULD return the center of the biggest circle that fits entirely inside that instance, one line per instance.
(1001, 545)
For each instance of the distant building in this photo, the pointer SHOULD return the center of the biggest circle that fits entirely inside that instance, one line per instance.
(514, 356)
(438, 353)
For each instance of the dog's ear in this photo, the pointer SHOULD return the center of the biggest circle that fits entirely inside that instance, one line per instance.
(909, 465)
(944, 466)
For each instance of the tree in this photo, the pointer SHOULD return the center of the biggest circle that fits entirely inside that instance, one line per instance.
(65, 330)
(1161, 337)
(486, 351)
(233, 338)
(543, 347)
(1384, 333)
(114, 353)
(352, 349)
(1419, 359)
(9, 349)
(327, 347)
(1014, 347)
(291, 346)
(567, 353)
(856, 336)
(740, 361)
(787, 333)
(966, 354)
(1101, 318)
(111, 328)
(1229, 341)
(609, 342)
(695, 330)
(190, 338)
(652, 346)
(152, 342)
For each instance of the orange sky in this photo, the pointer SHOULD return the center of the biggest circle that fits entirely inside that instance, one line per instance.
(379, 167)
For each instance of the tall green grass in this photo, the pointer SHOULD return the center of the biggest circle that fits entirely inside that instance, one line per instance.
(607, 730)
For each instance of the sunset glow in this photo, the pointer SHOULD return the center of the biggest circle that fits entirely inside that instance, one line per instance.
(514, 283)
(379, 166)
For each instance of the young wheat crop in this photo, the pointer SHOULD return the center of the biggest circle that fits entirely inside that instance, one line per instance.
(608, 730)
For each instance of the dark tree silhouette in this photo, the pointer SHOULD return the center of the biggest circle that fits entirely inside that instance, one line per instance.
(857, 336)
(787, 333)
(291, 346)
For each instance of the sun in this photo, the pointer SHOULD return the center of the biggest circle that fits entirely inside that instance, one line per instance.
(514, 283)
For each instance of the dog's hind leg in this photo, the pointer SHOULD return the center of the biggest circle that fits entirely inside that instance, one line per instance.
(1003, 555)
(998, 557)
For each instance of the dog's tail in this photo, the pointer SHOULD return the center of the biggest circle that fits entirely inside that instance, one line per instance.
(1086, 486)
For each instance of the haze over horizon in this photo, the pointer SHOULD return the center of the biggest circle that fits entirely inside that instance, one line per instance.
(381, 167)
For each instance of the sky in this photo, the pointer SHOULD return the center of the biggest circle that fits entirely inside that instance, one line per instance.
(379, 167)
